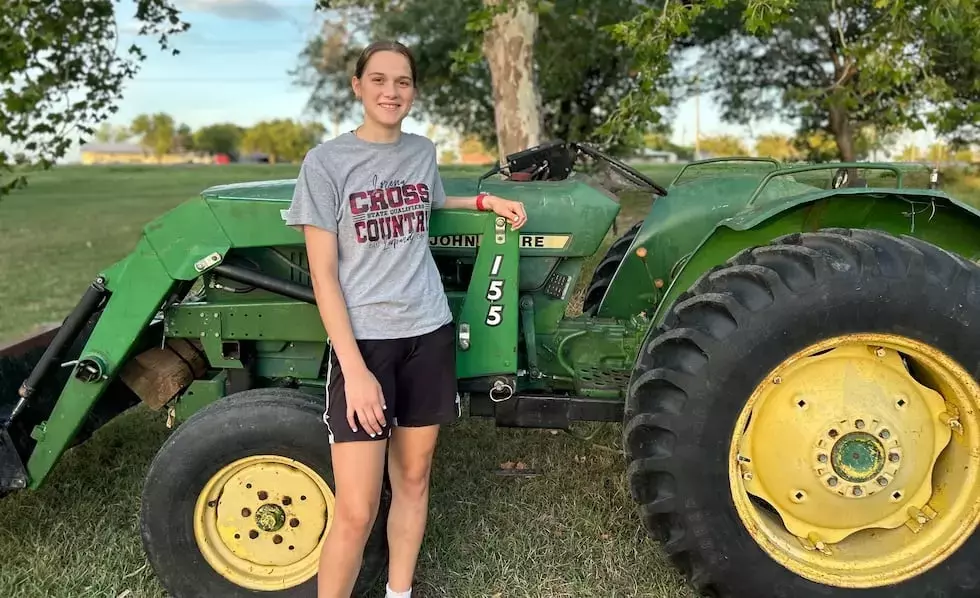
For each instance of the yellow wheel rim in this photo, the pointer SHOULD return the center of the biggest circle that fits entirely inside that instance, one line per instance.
(260, 522)
(855, 463)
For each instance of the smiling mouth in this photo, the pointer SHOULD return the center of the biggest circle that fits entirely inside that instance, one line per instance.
(391, 107)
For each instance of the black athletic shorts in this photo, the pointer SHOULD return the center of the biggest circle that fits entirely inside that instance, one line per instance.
(417, 376)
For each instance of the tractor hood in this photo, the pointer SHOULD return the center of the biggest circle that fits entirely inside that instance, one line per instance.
(277, 190)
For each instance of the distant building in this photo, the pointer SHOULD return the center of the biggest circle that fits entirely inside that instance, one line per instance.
(133, 153)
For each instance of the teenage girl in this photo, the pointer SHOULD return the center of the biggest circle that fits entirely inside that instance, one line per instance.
(363, 201)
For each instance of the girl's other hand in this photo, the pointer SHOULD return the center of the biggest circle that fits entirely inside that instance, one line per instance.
(366, 400)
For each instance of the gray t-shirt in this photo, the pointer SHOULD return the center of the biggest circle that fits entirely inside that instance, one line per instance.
(377, 198)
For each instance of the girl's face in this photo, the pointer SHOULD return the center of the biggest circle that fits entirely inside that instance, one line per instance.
(386, 88)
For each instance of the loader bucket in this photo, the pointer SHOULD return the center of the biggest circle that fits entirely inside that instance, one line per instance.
(17, 359)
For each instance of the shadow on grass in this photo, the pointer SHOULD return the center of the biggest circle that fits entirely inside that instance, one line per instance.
(569, 530)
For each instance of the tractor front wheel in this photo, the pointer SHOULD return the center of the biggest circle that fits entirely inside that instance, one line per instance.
(240, 499)
(807, 422)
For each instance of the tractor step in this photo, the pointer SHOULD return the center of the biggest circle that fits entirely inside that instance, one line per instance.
(12, 473)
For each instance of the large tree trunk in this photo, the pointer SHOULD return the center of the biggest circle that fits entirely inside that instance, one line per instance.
(840, 124)
(509, 49)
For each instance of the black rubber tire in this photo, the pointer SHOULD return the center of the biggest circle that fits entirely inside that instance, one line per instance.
(273, 420)
(719, 341)
(603, 274)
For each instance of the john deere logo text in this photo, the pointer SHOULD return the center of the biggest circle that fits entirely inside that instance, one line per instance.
(526, 241)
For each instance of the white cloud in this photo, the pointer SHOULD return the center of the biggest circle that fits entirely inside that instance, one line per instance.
(245, 10)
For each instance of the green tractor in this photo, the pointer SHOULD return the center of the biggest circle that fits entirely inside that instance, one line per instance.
(788, 349)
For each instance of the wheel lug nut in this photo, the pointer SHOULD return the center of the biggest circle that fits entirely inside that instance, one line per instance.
(822, 458)
(857, 491)
(882, 481)
(293, 522)
(859, 424)
(246, 512)
(286, 501)
(263, 495)
(893, 457)
(253, 534)
(884, 434)
(832, 481)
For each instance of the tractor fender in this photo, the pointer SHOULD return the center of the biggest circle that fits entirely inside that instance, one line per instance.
(927, 214)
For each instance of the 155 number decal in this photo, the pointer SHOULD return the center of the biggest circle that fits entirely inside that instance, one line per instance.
(495, 290)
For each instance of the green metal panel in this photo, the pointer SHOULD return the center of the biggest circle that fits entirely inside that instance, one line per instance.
(184, 235)
(677, 224)
(928, 215)
(255, 223)
(490, 311)
(273, 320)
(200, 394)
(139, 284)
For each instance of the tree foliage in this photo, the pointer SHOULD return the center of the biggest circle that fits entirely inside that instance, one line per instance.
(723, 145)
(62, 71)
(582, 73)
(282, 139)
(108, 133)
(835, 66)
(221, 138)
(157, 133)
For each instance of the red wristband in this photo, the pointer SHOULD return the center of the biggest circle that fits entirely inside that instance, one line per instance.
(479, 201)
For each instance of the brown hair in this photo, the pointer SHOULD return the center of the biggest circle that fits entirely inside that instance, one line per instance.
(382, 46)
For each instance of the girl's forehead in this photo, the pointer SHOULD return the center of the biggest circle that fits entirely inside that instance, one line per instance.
(388, 63)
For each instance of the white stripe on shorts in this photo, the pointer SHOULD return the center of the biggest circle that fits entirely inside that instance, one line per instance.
(326, 406)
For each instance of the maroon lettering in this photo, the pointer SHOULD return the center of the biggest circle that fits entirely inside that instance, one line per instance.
(411, 195)
(359, 231)
(355, 207)
(394, 196)
(378, 200)
(423, 192)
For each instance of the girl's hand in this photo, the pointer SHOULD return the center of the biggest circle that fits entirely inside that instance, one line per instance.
(513, 211)
(365, 400)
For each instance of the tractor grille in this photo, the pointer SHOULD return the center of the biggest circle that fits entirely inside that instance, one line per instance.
(596, 377)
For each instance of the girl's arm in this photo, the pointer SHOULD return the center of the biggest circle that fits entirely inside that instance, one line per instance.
(509, 209)
(362, 390)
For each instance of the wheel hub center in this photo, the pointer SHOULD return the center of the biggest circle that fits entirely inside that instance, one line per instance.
(270, 517)
(857, 457)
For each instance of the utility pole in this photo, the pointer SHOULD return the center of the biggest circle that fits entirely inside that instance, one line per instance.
(697, 117)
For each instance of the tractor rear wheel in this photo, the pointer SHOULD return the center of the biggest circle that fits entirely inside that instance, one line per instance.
(807, 422)
(240, 498)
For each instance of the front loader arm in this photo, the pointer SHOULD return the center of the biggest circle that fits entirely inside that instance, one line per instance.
(136, 289)
(125, 299)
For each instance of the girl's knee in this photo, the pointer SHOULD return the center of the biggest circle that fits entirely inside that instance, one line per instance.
(355, 519)
(411, 480)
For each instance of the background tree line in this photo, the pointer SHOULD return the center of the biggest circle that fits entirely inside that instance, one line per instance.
(280, 139)
(517, 72)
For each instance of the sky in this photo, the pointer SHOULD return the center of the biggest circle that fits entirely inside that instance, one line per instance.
(234, 61)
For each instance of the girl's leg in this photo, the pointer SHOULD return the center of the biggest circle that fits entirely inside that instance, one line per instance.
(358, 471)
(409, 464)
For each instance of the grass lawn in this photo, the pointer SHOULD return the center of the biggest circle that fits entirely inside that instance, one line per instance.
(569, 531)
